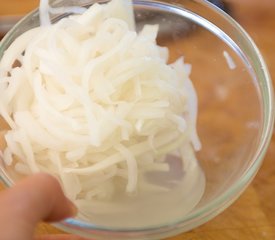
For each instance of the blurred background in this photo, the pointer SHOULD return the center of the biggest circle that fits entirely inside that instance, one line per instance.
(12, 10)
(252, 217)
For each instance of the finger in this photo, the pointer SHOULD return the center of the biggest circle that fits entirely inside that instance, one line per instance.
(60, 237)
(36, 198)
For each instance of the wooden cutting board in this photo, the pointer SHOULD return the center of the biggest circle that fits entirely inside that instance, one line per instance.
(17, 7)
(252, 216)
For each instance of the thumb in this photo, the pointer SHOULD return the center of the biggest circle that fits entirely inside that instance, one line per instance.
(36, 198)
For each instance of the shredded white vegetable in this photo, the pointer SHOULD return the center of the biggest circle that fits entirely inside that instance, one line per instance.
(229, 60)
(93, 102)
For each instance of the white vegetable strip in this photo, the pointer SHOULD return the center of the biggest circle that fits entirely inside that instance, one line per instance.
(192, 103)
(7, 156)
(27, 150)
(12, 142)
(132, 167)
(5, 114)
(122, 9)
(229, 60)
(13, 86)
(44, 13)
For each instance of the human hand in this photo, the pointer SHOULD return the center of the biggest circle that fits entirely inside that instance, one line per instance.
(34, 199)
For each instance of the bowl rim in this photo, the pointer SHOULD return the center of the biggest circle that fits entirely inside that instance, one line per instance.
(227, 197)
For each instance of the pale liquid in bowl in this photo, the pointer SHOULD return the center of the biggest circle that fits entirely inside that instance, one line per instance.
(184, 190)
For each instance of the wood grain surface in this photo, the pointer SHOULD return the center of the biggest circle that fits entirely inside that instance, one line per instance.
(252, 216)
(17, 7)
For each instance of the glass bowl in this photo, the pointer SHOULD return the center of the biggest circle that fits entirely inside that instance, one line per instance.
(235, 117)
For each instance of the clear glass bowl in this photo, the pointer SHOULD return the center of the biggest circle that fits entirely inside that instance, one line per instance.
(235, 105)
